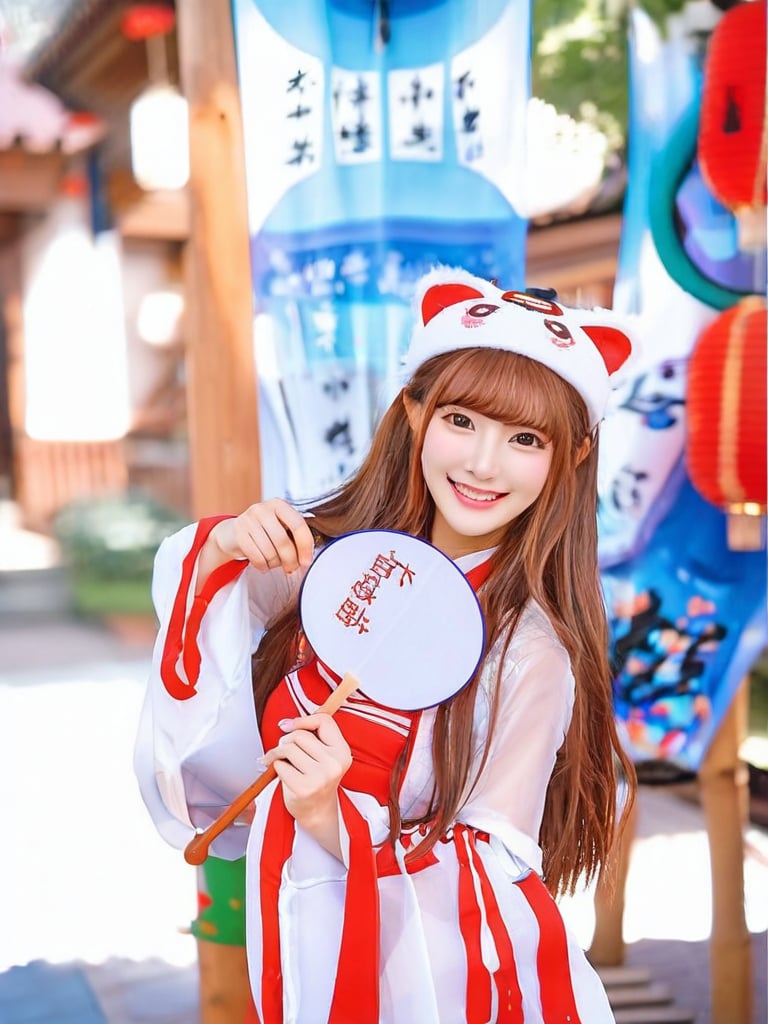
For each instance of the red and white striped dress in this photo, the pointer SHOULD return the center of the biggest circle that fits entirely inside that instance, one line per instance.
(468, 933)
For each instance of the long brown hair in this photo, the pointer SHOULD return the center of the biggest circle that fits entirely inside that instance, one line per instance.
(549, 554)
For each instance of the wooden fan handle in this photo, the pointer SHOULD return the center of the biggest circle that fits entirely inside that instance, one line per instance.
(196, 849)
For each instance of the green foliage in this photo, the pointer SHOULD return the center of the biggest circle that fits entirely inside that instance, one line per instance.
(580, 59)
(113, 537)
(109, 544)
(580, 64)
(660, 10)
(99, 597)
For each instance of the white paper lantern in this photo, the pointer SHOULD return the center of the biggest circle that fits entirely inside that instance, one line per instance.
(159, 121)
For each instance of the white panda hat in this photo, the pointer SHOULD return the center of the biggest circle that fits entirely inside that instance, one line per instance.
(586, 347)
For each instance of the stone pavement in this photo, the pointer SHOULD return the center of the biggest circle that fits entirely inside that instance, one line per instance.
(95, 905)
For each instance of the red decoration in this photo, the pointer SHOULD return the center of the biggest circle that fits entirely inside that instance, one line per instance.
(73, 185)
(727, 409)
(734, 115)
(142, 21)
(83, 119)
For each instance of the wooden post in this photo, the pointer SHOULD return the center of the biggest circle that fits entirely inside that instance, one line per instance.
(221, 386)
(221, 373)
(224, 988)
(725, 799)
(607, 948)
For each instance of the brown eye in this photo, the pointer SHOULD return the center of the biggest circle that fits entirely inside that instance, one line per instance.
(482, 309)
(458, 419)
(528, 440)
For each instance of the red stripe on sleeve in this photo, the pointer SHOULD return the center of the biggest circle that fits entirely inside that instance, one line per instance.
(176, 637)
(219, 578)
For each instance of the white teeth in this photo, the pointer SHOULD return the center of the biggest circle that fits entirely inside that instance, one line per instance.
(474, 495)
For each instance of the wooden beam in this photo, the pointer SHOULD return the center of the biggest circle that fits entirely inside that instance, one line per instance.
(28, 181)
(222, 394)
(139, 214)
(574, 255)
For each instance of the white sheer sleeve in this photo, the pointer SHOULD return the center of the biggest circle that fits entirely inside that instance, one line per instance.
(198, 744)
(535, 705)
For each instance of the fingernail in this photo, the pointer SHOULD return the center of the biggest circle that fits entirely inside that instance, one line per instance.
(285, 724)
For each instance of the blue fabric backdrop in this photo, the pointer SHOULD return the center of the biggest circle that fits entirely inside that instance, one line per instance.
(373, 150)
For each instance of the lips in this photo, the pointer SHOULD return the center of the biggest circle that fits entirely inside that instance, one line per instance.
(476, 497)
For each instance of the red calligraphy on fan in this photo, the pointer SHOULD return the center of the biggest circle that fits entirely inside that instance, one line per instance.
(352, 612)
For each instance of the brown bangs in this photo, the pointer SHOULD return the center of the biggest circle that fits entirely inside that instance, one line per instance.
(510, 388)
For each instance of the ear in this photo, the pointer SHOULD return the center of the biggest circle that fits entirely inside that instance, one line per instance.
(583, 450)
(440, 296)
(613, 345)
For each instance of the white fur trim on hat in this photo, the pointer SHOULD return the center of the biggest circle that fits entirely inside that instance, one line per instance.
(456, 310)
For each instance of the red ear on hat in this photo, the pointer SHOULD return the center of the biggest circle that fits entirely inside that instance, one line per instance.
(440, 296)
(612, 344)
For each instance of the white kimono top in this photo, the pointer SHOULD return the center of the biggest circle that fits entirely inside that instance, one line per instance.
(467, 932)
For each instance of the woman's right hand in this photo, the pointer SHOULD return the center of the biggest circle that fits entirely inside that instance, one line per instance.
(270, 535)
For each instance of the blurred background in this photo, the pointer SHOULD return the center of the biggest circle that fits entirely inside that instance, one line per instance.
(211, 217)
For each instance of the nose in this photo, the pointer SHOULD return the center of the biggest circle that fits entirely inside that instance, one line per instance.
(484, 457)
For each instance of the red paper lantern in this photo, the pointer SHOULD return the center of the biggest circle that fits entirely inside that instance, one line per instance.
(142, 21)
(734, 118)
(727, 414)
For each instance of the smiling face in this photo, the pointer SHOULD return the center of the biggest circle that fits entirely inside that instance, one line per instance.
(494, 433)
(481, 474)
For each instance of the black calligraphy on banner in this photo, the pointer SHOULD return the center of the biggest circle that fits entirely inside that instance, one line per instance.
(416, 122)
(466, 116)
(356, 115)
(303, 113)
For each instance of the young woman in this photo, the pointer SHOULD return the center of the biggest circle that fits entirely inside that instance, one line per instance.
(402, 866)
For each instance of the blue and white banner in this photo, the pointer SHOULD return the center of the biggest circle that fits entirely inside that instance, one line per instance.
(374, 149)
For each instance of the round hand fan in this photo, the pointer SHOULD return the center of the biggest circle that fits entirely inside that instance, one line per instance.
(392, 615)
(396, 613)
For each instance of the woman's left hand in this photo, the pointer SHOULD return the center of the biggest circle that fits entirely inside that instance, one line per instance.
(310, 760)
